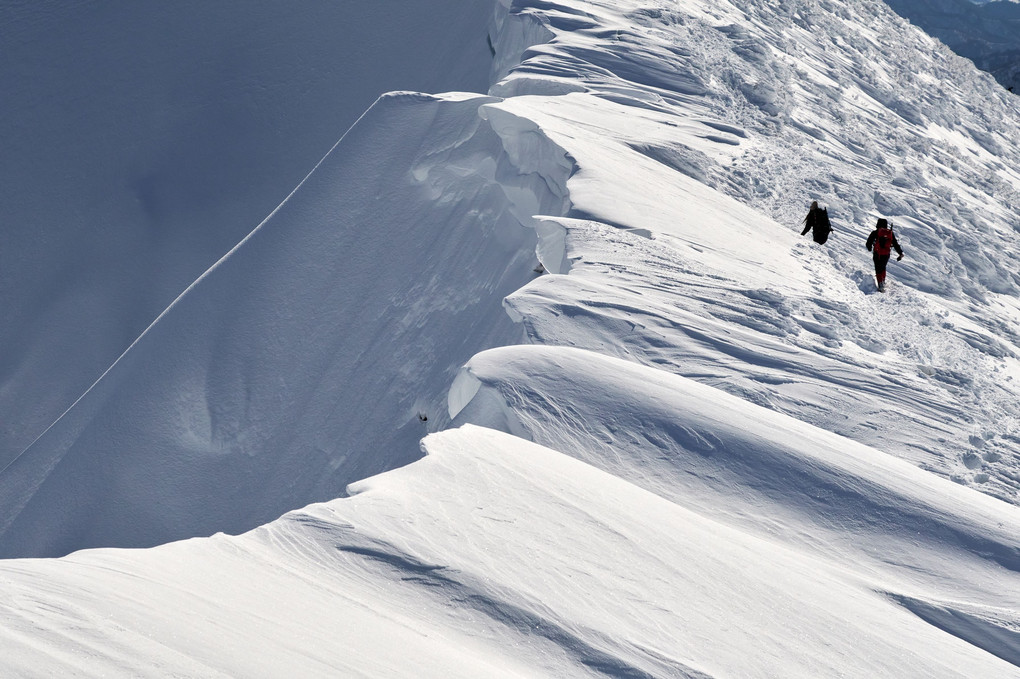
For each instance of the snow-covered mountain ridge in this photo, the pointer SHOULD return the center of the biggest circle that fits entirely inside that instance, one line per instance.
(777, 471)
(822, 110)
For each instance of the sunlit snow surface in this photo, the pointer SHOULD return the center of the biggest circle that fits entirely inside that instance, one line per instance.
(697, 445)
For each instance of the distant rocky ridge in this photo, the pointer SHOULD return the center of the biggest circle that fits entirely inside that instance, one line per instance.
(986, 33)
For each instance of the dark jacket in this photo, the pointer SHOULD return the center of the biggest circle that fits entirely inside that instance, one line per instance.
(818, 220)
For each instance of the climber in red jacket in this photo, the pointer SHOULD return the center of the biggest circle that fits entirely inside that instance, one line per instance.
(880, 243)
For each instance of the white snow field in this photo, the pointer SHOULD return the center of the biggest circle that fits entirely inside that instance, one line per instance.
(377, 439)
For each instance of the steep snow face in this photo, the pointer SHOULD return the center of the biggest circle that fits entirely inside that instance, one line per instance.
(142, 141)
(316, 353)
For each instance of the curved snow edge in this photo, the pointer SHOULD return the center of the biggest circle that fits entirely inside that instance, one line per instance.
(811, 475)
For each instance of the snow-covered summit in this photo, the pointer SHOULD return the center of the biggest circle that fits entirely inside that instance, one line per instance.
(690, 443)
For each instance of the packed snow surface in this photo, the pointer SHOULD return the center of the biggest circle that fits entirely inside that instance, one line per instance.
(664, 434)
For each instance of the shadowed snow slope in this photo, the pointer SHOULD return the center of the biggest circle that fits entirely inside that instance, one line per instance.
(720, 453)
(305, 359)
(143, 140)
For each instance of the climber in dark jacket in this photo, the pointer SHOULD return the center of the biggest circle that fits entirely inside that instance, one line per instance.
(817, 221)
(881, 242)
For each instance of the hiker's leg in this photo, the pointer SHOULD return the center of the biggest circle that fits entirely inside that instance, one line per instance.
(880, 262)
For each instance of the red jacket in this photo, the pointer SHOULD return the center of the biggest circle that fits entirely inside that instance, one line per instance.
(883, 240)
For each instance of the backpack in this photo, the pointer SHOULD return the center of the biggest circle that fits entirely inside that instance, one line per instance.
(883, 241)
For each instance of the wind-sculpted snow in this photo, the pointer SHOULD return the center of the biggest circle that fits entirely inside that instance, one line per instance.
(871, 117)
(490, 557)
(827, 360)
(270, 383)
(739, 463)
(777, 472)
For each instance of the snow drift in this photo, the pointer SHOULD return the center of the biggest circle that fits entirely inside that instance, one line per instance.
(316, 353)
(490, 557)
